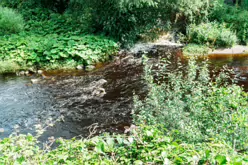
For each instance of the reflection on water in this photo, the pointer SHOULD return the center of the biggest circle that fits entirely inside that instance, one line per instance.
(239, 63)
(64, 94)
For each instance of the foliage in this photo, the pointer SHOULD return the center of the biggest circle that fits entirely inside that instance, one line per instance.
(211, 34)
(127, 20)
(10, 21)
(53, 23)
(29, 50)
(8, 66)
(195, 50)
(145, 145)
(233, 17)
(194, 107)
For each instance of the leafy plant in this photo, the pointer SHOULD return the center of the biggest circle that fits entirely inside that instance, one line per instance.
(8, 66)
(193, 107)
(211, 34)
(10, 21)
(30, 50)
(235, 18)
(144, 145)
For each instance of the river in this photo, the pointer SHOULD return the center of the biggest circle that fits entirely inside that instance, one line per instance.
(61, 99)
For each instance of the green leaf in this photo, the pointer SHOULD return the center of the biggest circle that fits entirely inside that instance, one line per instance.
(53, 51)
(221, 159)
(100, 147)
(138, 162)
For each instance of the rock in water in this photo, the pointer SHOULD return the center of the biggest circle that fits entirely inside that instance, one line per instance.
(1, 130)
(35, 81)
(90, 67)
(39, 71)
(80, 67)
(99, 92)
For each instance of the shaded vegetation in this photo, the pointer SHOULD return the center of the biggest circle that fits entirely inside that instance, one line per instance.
(235, 18)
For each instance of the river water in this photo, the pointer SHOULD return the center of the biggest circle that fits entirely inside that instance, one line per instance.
(64, 98)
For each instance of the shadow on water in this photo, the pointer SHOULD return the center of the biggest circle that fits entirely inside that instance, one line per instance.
(69, 94)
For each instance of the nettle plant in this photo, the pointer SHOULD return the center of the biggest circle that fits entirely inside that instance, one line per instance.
(194, 107)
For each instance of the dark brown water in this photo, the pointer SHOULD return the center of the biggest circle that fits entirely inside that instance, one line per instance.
(63, 94)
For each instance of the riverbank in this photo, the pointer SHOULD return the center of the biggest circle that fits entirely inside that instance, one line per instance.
(135, 144)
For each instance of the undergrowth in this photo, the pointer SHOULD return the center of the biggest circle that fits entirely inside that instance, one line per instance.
(143, 145)
(41, 51)
(193, 106)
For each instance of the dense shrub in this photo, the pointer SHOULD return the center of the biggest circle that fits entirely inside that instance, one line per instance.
(30, 49)
(211, 34)
(193, 107)
(53, 23)
(128, 20)
(10, 21)
(145, 145)
(235, 18)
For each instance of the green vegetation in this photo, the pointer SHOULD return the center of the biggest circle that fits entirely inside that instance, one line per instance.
(37, 50)
(195, 50)
(145, 145)
(193, 107)
(211, 34)
(8, 67)
(10, 21)
(186, 118)
(235, 18)
(50, 40)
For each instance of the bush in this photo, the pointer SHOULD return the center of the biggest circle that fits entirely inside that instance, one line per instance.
(211, 34)
(52, 23)
(10, 21)
(145, 145)
(235, 18)
(193, 107)
(29, 49)
(128, 20)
